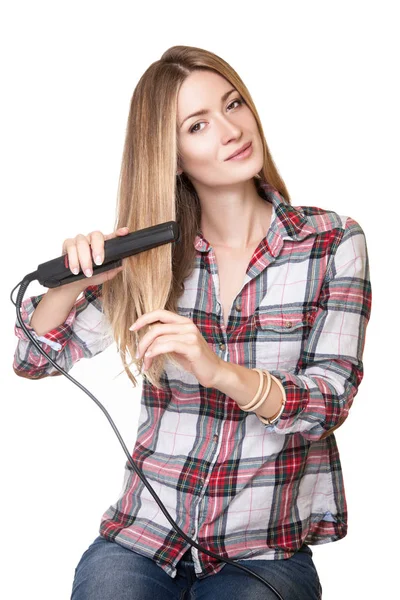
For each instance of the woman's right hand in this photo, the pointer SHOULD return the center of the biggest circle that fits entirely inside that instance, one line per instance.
(83, 250)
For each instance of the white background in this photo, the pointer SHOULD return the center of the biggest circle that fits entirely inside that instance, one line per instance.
(324, 78)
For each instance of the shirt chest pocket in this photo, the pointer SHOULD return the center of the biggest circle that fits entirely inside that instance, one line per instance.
(280, 336)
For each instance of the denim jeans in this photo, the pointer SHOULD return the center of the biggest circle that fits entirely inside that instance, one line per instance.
(108, 571)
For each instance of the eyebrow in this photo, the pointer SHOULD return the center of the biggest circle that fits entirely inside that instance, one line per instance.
(204, 111)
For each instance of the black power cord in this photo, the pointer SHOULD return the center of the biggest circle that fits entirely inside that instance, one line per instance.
(23, 286)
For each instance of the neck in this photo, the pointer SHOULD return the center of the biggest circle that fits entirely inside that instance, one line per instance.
(235, 219)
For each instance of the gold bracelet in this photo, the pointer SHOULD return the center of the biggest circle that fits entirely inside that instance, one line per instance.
(254, 403)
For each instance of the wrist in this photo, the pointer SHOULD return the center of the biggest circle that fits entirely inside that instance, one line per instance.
(241, 384)
(68, 289)
(220, 374)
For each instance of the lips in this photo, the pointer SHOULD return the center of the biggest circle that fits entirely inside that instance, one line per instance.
(240, 150)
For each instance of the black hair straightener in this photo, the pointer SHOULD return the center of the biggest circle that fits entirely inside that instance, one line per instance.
(56, 272)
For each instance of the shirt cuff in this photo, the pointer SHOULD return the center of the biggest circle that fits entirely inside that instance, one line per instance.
(58, 337)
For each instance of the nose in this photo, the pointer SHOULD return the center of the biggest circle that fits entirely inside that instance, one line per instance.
(230, 131)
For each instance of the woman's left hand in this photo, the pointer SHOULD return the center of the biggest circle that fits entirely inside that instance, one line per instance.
(180, 336)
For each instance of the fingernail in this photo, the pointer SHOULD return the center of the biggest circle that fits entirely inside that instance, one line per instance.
(97, 260)
(88, 273)
(75, 271)
(137, 354)
(132, 327)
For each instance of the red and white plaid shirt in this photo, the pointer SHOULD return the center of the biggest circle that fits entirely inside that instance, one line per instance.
(239, 487)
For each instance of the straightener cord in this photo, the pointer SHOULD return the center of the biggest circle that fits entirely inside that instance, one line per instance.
(23, 286)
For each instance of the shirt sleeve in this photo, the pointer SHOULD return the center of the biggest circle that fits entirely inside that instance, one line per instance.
(84, 333)
(320, 392)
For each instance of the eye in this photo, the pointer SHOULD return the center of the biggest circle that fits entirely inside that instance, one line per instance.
(191, 130)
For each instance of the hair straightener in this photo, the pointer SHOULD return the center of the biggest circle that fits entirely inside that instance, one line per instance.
(56, 272)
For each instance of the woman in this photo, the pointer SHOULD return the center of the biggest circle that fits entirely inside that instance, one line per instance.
(256, 324)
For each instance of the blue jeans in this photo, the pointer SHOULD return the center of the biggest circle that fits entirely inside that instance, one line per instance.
(108, 571)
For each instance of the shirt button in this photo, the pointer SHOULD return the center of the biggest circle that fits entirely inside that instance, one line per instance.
(215, 438)
(288, 324)
(222, 346)
(238, 306)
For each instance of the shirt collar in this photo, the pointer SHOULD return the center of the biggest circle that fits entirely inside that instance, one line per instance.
(287, 222)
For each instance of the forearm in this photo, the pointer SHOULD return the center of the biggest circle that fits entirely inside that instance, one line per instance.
(54, 308)
(241, 384)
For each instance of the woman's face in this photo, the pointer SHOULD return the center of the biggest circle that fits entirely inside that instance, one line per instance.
(206, 141)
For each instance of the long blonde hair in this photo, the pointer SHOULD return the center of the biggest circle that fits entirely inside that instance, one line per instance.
(150, 192)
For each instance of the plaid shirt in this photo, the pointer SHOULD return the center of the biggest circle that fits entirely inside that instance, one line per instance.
(239, 487)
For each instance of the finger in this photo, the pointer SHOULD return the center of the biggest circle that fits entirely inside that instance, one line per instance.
(158, 331)
(122, 231)
(69, 248)
(84, 254)
(97, 246)
(147, 364)
(73, 260)
(176, 344)
(99, 278)
(67, 242)
(164, 316)
(114, 234)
